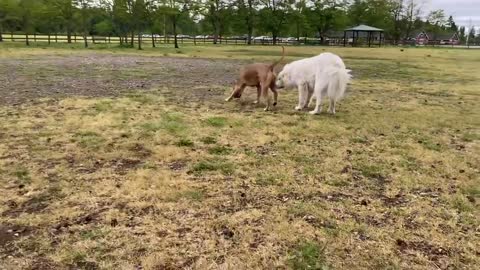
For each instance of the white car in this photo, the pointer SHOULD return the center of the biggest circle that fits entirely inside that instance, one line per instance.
(262, 38)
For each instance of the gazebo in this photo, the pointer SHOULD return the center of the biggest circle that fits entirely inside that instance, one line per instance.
(368, 32)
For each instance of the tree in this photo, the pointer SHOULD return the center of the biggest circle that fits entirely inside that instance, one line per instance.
(461, 33)
(397, 7)
(216, 12)
(9, 15)
(66, 11)
(451, 24)
(27, 10)
(274, 16)
(121, 19)
(298, 18)
(140, 19)
(412, 15)
(84, 17)
(436, 21)
(173, 9)
(471, 33)
(327, 15)
(247, 10)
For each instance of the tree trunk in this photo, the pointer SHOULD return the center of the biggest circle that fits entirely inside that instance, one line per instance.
(164, 29)
(250, 22)
(250, 33)
(215, 32)
(153, 40)
(139, 41)
(175, 32)
(132, 40)
(69, 35)
(27, 42)
(85, 39)
(274, 36)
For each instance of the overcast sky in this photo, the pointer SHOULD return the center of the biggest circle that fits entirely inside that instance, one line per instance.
(461, 10)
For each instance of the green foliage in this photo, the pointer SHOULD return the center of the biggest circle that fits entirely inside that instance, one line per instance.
(304, 18)
(308, 255)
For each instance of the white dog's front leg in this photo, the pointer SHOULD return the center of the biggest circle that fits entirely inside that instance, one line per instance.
(302, 96)
(309, 98)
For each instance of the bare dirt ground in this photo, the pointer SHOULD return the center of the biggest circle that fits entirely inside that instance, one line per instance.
(133, 162)
(102, 75)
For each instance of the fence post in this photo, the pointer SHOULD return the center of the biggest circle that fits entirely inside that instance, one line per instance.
(11, 36)
(34, 37)
(48, 38)
(56, 38)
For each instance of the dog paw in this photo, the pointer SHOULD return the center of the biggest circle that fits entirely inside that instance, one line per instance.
(298, 108)
(314, 112)
(227, 99)
(255, 102)
(266, 109)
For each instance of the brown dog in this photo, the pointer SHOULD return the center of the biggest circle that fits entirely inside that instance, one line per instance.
(260, 76)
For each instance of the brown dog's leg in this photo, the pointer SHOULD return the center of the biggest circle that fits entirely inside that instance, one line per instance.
(237, 92)
(273, 87)
(259, 93)
(266, 97)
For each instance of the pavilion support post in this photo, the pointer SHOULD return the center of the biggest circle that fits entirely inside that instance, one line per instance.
(344, 38)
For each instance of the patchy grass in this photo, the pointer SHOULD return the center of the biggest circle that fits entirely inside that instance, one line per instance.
(168, 179)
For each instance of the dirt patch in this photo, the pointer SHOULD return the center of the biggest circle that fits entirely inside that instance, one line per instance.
(9, 233)
(177, 165)
(140, 151)
(432, 251)
(123, 166)
(43, 264)
(35, 204)
(98, 75)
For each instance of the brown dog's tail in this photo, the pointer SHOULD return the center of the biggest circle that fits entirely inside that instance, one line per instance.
(272, 66)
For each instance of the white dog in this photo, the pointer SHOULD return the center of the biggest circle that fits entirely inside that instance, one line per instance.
(318, 76)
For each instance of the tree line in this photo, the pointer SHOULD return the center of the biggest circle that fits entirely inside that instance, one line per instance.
(128, 19)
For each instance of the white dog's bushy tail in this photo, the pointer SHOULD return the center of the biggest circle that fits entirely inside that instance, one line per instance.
(339, 78)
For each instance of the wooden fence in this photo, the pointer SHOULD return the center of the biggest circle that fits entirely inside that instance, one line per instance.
(54, 38)
(61, 38)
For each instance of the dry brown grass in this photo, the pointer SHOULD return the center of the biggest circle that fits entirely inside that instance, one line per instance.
(144, 182)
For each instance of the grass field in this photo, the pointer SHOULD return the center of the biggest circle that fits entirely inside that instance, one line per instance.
(123, 159)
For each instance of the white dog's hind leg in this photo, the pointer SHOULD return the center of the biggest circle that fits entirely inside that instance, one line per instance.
(331, 108)
(309, 97)
(320, 85)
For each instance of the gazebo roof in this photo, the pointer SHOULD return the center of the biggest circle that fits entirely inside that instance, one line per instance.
(364, 28)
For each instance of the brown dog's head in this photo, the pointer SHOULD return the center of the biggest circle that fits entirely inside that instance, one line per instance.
(237, 90)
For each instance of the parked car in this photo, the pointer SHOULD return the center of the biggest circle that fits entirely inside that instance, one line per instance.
(260, 38)
(238, 37)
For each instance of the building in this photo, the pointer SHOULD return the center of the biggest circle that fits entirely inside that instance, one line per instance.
(424, 38)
